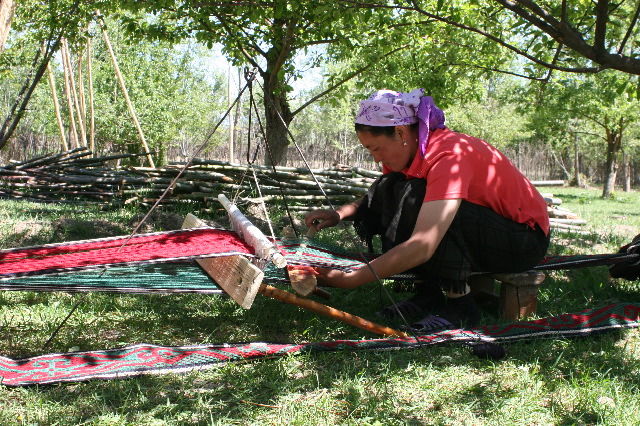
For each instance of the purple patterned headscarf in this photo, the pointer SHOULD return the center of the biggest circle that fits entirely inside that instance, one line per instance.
(389, 108)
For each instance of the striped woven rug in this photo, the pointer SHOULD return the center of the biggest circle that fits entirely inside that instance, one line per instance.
(144, 359)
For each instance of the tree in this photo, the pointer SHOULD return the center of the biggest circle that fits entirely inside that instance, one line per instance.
(266, 35)
(606, 104)
(46, 24)
(571, 36)
(492, 119)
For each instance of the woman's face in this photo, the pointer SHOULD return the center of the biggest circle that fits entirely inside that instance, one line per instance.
(389, 150)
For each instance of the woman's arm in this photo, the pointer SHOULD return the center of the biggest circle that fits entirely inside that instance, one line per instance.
(433, 221)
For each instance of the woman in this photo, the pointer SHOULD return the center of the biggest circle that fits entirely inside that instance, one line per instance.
(447, 205)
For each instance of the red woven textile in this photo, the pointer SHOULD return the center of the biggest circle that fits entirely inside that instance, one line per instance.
(111, 251)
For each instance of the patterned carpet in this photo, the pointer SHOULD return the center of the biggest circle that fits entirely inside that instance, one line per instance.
(142, 359)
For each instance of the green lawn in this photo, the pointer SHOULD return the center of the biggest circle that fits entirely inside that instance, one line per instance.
(588, 380)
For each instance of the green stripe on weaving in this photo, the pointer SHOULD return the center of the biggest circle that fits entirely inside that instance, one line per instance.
(150, 276)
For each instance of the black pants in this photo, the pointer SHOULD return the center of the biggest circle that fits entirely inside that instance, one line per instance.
(478, 240)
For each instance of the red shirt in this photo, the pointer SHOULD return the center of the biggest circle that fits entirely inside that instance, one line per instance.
(460, 166)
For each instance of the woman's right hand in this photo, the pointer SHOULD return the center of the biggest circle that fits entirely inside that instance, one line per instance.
(320, 219)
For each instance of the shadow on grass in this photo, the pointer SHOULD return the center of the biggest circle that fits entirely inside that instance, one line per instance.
(625, 213)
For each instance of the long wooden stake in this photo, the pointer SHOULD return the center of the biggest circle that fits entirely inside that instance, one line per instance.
(74, 93)
(67, 91)
(56, 108)
(231, 120)
(81, 96)
(92, 121)
(302, 302)
(125, 93)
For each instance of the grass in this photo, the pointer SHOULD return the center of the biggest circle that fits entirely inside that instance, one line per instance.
(586, 381)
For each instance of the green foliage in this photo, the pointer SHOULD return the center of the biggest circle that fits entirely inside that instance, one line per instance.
(175, 95)
(39, 20)
(593, 38)
(174, 98)
(495, 119)
(455, 65)
(266, 36)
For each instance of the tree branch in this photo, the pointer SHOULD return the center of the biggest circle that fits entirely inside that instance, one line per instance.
(602, 12)
(284, 50)
(242, 30)
(238, 45)
(347, 78)
(634, 20)
(565, 34)
(556, 56)
(482, 67)
(505, 44)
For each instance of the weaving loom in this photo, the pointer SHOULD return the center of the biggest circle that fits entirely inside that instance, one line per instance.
(163, 263)
(201, 259)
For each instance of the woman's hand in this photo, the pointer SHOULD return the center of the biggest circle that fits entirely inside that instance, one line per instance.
(320, 219)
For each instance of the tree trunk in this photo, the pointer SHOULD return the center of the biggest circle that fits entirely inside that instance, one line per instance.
(278, 114)
(576, 162)
(626, 164)
(7, 8)
(614, 140)
(277, 118)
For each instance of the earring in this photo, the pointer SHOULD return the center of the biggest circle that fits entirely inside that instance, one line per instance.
(404, 143)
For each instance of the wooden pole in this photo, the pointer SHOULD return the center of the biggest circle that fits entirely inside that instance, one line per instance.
(231, 120)
(74, 93)
(7, 8)
(92, 121)
(56, 108)
(67, 91)
(236, 114)
(125, 93)
(319, 308)
(81, 96)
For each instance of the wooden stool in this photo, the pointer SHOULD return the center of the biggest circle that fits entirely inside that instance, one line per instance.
(518, 294)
